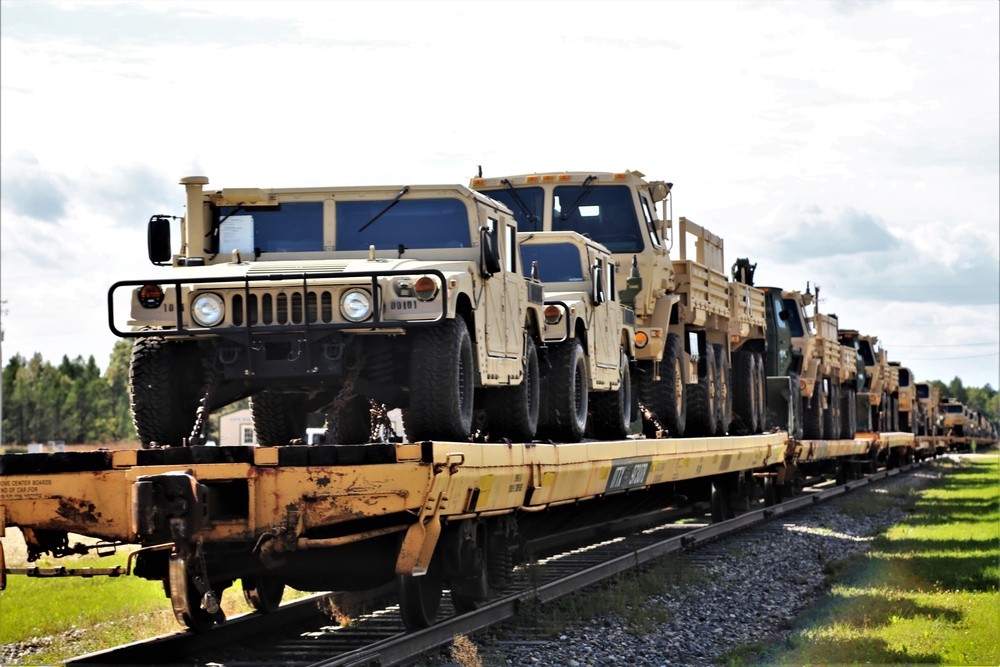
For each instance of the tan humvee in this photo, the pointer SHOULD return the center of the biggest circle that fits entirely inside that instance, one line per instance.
(588, 337)
(692, 324)
(335, 300)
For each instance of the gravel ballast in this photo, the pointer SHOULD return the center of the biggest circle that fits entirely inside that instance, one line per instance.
(754, 585)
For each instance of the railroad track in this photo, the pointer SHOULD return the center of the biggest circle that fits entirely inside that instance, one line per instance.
(304, 633)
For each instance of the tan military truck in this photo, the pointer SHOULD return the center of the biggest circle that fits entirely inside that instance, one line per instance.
(927, 397)
(692, 324)
(954, 421)
(332, 300)
(875, 413)
(826, 369)
(587, 339)
(904, 398)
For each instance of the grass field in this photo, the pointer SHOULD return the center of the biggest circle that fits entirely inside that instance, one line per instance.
(927, 593)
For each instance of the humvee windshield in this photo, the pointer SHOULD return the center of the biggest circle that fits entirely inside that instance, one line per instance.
(953, 409)
(923, 391)
(414, 223)
(557, 262)
(287, 227)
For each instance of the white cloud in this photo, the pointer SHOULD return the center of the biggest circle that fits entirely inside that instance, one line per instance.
(854, 144)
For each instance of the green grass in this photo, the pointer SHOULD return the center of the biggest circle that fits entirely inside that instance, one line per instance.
(112, 611)
(927, 593)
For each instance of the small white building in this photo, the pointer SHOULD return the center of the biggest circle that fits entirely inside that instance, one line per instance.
(236, 428)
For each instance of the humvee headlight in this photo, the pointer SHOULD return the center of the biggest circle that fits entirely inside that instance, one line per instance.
(641, 339)
(356, 305)
(208, 309)
(425, 288)
(553, 314)
(150, 296)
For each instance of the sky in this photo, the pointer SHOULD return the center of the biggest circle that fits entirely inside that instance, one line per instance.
(854, 145)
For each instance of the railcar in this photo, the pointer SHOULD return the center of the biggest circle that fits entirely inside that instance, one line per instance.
(434, 516)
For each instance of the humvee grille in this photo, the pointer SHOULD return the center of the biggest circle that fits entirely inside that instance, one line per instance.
(283, 307)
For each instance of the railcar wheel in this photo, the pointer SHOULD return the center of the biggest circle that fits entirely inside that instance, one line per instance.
(277, 418)
(464, 604)
(722, 502)
(442, 378)
(567, 392)
(165, 384)
(701, 398)
(419, 600)
(770, 491)
(263, 594)
(513, 411)
(612, 410)
(745, 390)
(186, 600)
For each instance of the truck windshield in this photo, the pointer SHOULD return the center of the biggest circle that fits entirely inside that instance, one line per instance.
(865, 348)
(414, 223)
(526, 203)
(604, 213)
(953, 409)
(794, 320)
(557, 262)
(923, 391)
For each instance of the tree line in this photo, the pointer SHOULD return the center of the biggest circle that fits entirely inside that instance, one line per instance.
(76, 403)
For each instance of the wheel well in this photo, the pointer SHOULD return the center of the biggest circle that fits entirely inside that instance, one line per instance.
(463, 309)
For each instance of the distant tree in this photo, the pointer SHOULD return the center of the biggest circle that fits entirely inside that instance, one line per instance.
(957, 391)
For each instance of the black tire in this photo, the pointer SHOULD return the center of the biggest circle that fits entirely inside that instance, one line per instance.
(513, 411)
(611, 411)
(831, 416)
(165, 386)
(667, 397)
(701, 409)
(721, 501)
(263, 594)
(277, 418)
(442, 378)
(744, 392)
(812, 414)
(352, 425)
(848, 414)
(723, 398)
(894, 413)
(567, 385)
(761, 376)
(419, 600)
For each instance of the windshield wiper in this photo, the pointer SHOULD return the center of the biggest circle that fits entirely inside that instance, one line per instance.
(584, 191)
(395, 200)
(532, 218)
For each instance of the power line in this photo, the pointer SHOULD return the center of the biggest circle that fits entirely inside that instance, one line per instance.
(967, 356)
(995, 342)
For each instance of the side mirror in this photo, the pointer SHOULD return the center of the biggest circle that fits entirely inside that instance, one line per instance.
(599, 295)
(158, 239)
(490, 257)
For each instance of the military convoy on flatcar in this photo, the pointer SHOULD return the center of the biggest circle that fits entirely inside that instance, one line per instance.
(521, 325)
